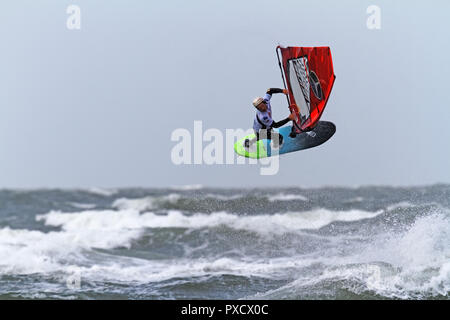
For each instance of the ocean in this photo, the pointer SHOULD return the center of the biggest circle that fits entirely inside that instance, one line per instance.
(194, 242)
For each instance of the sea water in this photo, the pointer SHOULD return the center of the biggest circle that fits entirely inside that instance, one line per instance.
(194, 242)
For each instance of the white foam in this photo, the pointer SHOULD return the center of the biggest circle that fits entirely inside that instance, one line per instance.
(420, 254)
(400, 205)
(418, 246)
(107, 192)
(145, 271)
(82, 205)
(292, 221)
(287, 197)
(408, 265)
(276, 223)
(144, 204)
(139, 204)
(187, 187)
(356, 199)
(25, 251)
(223, 198)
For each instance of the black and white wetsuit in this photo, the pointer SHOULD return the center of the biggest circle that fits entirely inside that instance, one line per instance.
(264, 121)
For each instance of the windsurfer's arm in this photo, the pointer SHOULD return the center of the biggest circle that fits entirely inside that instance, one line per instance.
(282, 122)
(270, 91)
(276, 90)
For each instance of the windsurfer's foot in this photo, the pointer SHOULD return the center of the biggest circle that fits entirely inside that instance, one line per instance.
(247, 143)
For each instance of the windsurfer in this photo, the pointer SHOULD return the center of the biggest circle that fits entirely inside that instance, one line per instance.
(263, 122)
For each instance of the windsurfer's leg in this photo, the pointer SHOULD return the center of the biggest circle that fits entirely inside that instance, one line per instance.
(277, 139)
(293, 134)
(264, 134)
(249, 142)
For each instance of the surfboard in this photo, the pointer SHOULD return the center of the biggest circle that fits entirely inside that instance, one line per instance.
(321, 133)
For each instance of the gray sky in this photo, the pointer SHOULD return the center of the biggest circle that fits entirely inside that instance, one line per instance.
(97, 106)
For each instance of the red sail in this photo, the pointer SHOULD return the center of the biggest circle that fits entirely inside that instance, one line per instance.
(310, 77)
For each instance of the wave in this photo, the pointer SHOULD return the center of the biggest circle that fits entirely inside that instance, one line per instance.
(156, 202)
(287, 197)
(187, 187)
(354, 200)
(146, 203)
(222, 197)
(413, 264)
(400, 205)
(275, 223)
(106, 192)
(82, 205)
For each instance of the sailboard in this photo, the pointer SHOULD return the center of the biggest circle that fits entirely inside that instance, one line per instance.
(308, 75)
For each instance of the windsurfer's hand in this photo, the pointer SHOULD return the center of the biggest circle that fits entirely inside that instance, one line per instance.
(292, 116)
(285, 91)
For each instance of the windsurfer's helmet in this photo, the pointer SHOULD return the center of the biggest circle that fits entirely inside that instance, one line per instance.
(257, 101)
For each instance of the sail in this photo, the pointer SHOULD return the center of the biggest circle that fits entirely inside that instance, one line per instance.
(309, 78)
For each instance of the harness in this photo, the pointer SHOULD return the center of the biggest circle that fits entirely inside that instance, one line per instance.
(261, 123)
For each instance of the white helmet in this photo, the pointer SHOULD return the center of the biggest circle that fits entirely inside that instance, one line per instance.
(257, 101)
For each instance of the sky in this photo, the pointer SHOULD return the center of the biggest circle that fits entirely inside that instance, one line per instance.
(97, 106)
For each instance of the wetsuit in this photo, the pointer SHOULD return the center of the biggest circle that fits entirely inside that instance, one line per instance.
(263, 122)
